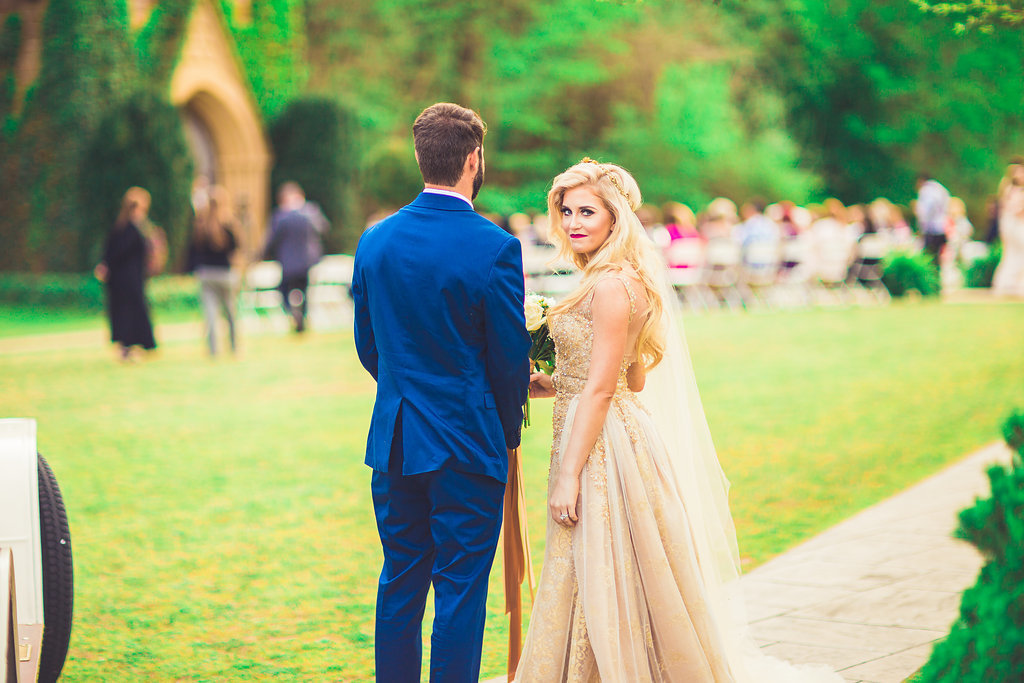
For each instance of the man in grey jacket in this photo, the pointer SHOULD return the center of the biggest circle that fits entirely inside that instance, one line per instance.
(294, 242)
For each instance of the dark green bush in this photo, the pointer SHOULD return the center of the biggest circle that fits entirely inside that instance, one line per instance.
(314, 145)
(67, 290)
(84, 293)
(979, 273)
(986, 644)
(903, 272)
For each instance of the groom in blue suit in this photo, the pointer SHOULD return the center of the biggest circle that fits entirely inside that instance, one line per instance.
(439, 323)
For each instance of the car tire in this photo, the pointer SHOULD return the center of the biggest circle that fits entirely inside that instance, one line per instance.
(58, 580)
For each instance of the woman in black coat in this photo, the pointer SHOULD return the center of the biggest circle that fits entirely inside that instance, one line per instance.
(124, 269)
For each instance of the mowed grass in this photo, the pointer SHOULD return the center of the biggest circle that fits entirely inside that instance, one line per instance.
(220, 511)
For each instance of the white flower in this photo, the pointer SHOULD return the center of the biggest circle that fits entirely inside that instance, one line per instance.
(534, 312)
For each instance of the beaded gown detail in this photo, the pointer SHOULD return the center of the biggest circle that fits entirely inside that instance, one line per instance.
(621, 596)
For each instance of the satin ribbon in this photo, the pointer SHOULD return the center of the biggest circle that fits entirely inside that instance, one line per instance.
(516, 554)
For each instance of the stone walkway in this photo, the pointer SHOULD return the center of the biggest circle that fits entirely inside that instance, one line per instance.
(871, 595)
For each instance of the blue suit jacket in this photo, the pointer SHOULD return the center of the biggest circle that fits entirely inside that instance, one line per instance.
(439, 323)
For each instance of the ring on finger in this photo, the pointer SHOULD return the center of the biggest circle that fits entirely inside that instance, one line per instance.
(563, 516)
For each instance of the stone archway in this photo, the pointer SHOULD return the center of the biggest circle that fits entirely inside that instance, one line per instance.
(222, 120)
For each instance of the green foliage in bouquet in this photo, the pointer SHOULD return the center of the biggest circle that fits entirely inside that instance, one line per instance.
(903, 272)
(986, 644)
(981, 271)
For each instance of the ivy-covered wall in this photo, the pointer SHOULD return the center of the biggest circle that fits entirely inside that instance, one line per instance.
(272, 44)
(92, 66)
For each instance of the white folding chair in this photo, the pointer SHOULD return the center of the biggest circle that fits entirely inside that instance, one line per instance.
(685, 258)
(721, 271)
(260, 298)
(794, 282)
(973, 251)
(832, 267)
(759, 272)
(330, 302)
(867, 268)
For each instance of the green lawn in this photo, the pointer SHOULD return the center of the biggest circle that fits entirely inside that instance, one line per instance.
(220, 511)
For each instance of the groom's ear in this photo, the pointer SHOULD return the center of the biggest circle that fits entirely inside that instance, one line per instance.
(472, 162)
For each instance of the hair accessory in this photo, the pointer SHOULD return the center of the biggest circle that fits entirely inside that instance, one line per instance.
(607, 174)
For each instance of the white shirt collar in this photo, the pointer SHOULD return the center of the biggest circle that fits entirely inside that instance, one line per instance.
(448, 193)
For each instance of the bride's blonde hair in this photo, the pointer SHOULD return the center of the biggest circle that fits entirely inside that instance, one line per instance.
(627, 243)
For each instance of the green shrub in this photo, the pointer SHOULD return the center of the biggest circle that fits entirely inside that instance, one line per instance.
(173, 293)
(52, 290)
(986, 644)
(980, 273)
(903, 272)
(83, 292)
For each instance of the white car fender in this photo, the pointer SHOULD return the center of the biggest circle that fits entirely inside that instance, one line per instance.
(19, 514)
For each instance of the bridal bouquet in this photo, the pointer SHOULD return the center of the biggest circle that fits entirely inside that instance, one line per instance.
(542, 347)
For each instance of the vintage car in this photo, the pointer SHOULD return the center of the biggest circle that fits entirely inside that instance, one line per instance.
(36, 582)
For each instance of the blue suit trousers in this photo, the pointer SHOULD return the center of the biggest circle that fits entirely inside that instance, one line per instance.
(438, 527)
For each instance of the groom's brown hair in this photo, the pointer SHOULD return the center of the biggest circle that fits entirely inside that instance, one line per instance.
(444, 135)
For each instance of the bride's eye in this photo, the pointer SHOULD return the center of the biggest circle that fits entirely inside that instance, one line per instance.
(566, 211)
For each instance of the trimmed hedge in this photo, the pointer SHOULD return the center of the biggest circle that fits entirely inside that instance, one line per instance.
(84, 293)
(986, 644)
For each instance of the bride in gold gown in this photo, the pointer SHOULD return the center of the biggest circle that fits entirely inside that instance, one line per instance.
(640, 568)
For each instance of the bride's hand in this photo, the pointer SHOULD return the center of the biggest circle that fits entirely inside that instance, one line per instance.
(562, 501)
(541, 385)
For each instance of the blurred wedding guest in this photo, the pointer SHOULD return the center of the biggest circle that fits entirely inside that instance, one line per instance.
(650, 218)
(959, 230)
(200, 193)
(719, 218)
(520, 226)
(685, 245)
(539, 228)
(793, 222)
(124, 269)
(889, 222)
(787, 215)
(756, 230)
(756, 226)
(1009, 276)
(831, 248)
(991, 219)
(294, 242)
(932, 212)
(210, 251)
